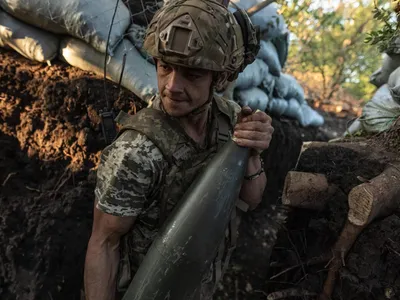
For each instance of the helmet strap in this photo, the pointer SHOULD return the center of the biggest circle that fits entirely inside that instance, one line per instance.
(205, 106)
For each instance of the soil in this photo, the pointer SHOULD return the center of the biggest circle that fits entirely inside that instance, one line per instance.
(340, 165)
(50, 142)
(390, 139)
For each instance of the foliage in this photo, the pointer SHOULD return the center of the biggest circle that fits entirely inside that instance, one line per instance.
(389, 26)
(329, 41)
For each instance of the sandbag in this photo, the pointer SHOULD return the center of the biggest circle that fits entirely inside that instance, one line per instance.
(309, 117)
(271, 23)
(380, 112)
(268, 84)
(31, 42)
(390, 63)
(252, 75)
(139, 76)
(253, 97)
(282, 84)
(281, 44)
(277, 106)
(376, 78)
(270, 56)
(295, 90)
(142, 11)
(355, 127)
(136, 35)
(394, 46)
(394, 85)
(293, 109)
(84, 19)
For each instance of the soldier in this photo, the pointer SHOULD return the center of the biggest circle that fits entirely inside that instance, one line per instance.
(197, 45)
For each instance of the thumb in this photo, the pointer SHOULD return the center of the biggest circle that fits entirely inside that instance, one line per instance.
(246, 111)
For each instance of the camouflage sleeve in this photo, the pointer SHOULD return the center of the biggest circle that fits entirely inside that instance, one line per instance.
(130, 170)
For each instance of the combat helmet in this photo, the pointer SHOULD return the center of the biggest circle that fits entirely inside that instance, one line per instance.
(203, 34)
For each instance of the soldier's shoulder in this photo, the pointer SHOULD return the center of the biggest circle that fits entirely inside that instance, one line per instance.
(135, 146)
(229, 107)
(228, 102)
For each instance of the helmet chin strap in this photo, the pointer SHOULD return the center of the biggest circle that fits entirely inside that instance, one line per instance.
(205, 106)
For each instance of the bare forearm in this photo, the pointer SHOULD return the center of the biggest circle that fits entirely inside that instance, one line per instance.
(252, 190)
(101, 268)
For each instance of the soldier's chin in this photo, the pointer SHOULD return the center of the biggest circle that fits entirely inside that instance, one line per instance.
(176, 108)
(177, 113)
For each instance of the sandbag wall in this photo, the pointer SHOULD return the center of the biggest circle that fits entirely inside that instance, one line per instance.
(263, 84)
(79, 33)
(383, 109)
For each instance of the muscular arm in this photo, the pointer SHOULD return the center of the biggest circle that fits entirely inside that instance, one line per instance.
(128, 171)
(102, 257)
(252, 190)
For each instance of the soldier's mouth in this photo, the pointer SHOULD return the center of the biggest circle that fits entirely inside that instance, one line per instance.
(176, 100)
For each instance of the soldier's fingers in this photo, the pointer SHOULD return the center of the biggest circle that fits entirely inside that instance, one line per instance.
(246, 110)
(253, 144)
(251, 135)
(255, 125)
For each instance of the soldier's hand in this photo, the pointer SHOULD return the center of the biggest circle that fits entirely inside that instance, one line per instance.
(253, 130)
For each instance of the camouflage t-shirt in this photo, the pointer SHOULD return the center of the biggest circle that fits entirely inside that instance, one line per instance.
(130, 170)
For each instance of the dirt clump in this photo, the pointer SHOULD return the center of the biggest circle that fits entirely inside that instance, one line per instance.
(343, 167)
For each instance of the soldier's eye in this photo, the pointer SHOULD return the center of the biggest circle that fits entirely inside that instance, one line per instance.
(193, 76)
(165, 67)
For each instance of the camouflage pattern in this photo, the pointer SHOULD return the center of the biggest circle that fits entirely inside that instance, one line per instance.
(147, 170)
(202, 34)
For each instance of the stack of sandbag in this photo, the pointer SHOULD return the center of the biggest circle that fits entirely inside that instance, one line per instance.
(34, 28)
(84, 19)
(142, 11)
(384, 108)
(138, 75)
(31, 42)
(272, 25)
(262, 84)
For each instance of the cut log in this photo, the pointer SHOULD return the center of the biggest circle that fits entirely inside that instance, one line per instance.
(367, 169)
(377, 198)
(307, 190)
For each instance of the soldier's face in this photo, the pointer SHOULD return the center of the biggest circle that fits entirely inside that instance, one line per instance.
(182, 89)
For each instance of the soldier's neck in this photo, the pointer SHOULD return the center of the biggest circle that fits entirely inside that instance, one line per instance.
(196, 126)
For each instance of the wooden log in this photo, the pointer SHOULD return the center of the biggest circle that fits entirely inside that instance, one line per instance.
(377, 198)
(307, 190)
